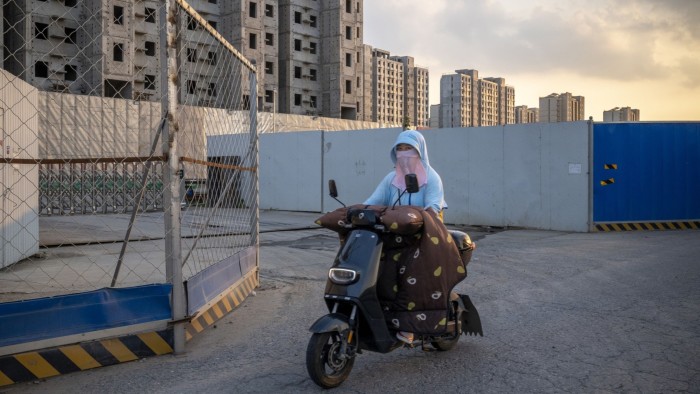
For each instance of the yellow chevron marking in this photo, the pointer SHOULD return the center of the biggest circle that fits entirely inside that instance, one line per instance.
(217, 311)
(237, 297)
(80, 357)
(207, 318)
(627, 226)
(648, 226)
(226, 303)
(234, 300)
(188, 336)
(637, 226)
(36, 365)
(616, 227)
(197, 325)
(118, 350)
(693, 226)
(4, 380)
(247, 287)
(156, 343)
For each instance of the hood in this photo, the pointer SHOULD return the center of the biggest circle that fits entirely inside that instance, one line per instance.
(416, 140)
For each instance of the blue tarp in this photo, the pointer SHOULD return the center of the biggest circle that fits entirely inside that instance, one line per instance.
(53, 317)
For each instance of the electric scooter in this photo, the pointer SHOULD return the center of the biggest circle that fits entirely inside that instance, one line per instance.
(355, 321)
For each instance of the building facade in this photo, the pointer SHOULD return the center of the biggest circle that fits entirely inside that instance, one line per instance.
(563, 107)
(523, 114)
(416, 89)
(468, 101)
(388, 88)
(399, 89)
(434, 122)
(309, 54)
(624, 114)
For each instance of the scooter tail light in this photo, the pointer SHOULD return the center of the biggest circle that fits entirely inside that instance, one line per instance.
(342, 276)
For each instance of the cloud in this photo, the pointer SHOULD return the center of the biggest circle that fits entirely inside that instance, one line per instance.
(610, 40)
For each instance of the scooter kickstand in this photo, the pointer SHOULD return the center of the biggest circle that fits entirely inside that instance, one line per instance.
(424, 347)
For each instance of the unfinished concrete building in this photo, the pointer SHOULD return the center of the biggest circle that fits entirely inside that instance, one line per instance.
(624, 114)
(467, 101)
(523, 114)
(505, 101)
(388, 81)
(49, 45)
(341, 59)
(252, 28)
(563, 107)
(416, 106)
(456, 100)
(310, 55)
(300, 57)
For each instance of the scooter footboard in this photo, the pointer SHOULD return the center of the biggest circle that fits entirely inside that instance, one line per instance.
(330, 322)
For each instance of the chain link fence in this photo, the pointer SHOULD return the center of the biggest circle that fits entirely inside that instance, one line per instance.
(128, 141)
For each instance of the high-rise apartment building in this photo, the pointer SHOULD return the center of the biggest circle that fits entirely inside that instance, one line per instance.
(399, 89)
(298, 69)
(467, 101)
(309, 54)
(434, 116)
(341, 58)
(455, 101)
(415, 82)
(523, 114)
(252, 27)
(112, 48)
(624, 114)
(563, 107)
(388, 84)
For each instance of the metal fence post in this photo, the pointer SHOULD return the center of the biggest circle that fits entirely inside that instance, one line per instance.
(171, 181)
(254, 141)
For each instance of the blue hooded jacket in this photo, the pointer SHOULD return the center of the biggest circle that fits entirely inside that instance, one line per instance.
(430, 195)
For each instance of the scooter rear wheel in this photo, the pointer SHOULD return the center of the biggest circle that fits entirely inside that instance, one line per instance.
(446, 344)
(324, 362)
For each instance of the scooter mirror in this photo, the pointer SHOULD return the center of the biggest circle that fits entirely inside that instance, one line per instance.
(411, 183)
(332, 189)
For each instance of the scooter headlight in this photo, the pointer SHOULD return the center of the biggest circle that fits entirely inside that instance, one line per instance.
(342, 276)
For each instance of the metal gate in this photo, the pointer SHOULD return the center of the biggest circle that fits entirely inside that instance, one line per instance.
(646, 176)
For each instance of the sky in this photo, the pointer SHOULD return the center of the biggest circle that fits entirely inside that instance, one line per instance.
(643, 54)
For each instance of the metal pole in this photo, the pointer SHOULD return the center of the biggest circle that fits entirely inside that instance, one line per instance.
(591, 171)
(255, 217)
(137, 204)
(168, 21)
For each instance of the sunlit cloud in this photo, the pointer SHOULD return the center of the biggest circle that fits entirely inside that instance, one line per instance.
(605, 42)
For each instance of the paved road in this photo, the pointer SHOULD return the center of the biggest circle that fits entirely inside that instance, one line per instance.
(562, 312)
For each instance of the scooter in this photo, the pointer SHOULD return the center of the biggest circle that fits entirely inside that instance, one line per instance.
(356, 321)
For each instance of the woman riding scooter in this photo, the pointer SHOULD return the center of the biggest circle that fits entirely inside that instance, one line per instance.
(410, 156)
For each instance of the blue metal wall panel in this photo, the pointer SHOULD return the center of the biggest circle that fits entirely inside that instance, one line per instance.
(657, 176)
(53, 317)
(212, 281)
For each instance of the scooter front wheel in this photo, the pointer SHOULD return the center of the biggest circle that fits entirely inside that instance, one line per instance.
(326, 365)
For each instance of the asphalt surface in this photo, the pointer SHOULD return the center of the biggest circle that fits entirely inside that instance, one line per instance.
(561, 312)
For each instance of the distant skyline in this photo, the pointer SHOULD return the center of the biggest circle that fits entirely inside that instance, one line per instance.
(644, 54)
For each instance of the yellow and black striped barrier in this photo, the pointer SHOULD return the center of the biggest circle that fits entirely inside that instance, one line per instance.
(647, 226)
(228, 302)
(46, 363)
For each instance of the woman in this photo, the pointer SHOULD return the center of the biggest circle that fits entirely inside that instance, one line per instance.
(410, 156)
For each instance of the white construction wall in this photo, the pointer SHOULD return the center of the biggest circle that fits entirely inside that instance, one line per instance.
(533, 175)
(19, 224)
